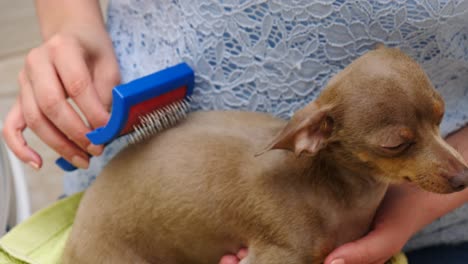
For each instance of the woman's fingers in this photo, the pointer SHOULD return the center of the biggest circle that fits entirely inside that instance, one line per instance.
(52, 72)
(70, 63)
(77, 80)
(234, 259)
(13, 133)
(106, 76)
(46, 130)
(229, 259)
(46, 91)
(242, 253)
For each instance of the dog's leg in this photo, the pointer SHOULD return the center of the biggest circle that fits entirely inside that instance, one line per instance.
(99, 250)
(113, 258)
(275, 255)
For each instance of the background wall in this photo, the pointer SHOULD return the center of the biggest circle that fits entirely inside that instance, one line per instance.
(19, 32)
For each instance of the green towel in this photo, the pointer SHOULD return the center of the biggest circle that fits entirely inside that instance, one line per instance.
(41, 238)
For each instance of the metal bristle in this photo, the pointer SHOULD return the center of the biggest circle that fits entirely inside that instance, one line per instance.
(159, 120)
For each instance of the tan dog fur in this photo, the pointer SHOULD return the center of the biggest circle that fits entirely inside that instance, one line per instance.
(206, 187)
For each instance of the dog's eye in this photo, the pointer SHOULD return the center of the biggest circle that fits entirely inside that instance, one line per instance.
(397, 148)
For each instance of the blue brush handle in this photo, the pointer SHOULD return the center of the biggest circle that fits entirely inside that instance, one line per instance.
(125, 96)
(65, 165)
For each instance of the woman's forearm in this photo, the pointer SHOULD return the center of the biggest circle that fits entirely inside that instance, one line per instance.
(459, 140)
(56, 15)
(433, 206)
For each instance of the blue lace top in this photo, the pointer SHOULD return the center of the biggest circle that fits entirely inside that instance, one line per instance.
(276, 55)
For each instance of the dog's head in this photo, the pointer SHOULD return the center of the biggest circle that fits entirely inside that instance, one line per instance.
(380, 116)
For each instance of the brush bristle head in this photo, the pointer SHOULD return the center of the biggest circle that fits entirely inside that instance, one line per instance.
(159, 120)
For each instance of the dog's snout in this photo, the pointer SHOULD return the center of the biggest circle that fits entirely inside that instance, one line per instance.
(459, 181)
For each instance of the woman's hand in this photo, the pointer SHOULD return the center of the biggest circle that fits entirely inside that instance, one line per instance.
(394, 224)
(75, 61)
(395, 221)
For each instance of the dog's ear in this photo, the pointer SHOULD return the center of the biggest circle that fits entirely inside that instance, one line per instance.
(307, 131)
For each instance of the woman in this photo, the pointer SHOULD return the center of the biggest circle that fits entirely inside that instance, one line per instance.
(272, 55)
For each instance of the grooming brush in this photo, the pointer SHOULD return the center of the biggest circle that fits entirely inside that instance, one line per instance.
(144, 107)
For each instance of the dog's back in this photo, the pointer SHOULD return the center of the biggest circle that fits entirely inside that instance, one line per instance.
(188, 182)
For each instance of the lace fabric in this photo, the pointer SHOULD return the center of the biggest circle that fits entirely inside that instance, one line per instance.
(276, 55)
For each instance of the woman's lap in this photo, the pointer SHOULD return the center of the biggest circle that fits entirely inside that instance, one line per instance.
(444, 254)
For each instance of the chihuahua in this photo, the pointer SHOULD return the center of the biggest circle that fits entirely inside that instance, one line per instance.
(289, 191)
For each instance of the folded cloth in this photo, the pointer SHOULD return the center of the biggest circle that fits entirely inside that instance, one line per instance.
(42, 237)
(399, 258)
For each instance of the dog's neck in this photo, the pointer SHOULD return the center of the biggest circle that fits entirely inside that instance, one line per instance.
(322, 175)
(339, 195)
(346, 184)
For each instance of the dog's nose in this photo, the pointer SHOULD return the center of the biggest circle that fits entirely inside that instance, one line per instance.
(459, 181)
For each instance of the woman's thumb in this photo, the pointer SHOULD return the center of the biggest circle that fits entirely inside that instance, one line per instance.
(375, 247)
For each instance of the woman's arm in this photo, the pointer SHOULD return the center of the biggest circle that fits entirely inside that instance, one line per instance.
(68, 15)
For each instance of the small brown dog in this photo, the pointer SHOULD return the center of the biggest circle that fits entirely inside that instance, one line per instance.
(201, 189)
